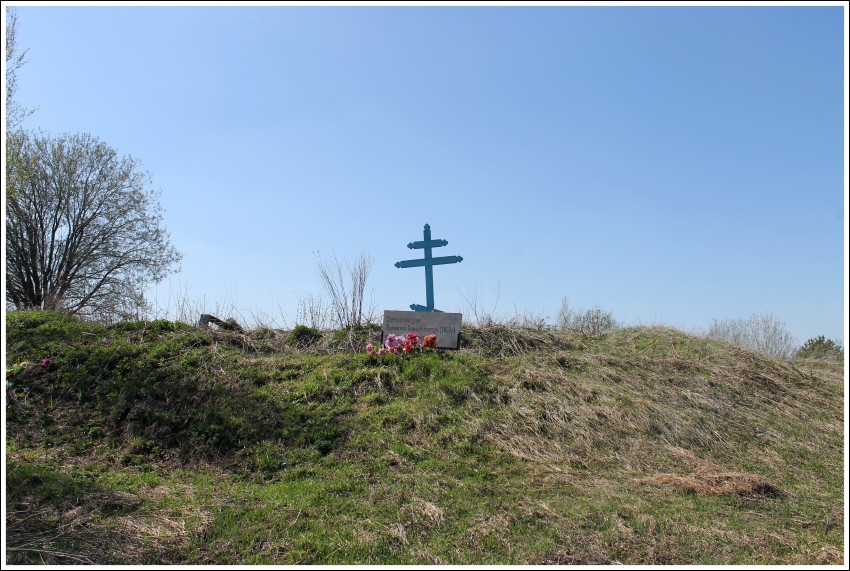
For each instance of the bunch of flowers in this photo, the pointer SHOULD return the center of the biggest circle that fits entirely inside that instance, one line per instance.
(19, 368)
(397, 344)
(372, 351)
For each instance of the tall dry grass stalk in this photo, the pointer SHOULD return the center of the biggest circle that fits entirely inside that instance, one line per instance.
(345, 285)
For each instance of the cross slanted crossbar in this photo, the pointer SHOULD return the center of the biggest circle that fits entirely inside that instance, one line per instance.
(428, 262)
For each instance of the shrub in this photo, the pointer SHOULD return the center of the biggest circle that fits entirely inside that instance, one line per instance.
(763, 333)
(34, 334)
(821, 348)
(593, 322)
(303, 336)
(264, 333)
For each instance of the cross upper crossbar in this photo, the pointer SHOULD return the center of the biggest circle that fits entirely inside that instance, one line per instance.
(429, 244)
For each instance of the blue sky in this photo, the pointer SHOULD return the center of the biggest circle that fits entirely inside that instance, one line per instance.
(672, 165)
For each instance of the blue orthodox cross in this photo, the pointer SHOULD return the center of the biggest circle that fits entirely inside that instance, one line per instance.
(429, 262)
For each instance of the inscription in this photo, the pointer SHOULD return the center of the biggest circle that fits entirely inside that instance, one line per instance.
(446, 326)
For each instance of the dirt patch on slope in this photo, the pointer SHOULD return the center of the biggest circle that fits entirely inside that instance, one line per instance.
(733, 483)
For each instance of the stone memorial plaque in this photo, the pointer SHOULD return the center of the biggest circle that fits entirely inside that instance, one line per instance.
(446, 326)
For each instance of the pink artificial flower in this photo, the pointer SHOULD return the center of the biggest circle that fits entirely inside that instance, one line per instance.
(394, 342)
(370, 348)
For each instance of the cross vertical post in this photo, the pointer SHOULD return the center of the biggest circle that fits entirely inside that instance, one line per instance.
(429, 270)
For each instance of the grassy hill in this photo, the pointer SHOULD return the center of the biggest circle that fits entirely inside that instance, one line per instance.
(157, 442)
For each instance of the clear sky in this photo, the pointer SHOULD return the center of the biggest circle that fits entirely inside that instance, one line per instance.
(672, 165)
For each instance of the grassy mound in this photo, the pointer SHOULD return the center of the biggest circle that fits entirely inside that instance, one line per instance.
(157, 442)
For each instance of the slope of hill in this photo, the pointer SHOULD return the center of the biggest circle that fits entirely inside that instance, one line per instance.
(157, 442)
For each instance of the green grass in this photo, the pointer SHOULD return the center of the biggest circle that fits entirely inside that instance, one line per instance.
(158, 443)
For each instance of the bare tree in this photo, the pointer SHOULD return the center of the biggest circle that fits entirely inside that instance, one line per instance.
(84, 231)
(345, 285)
(15, 113)
(15, 59)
